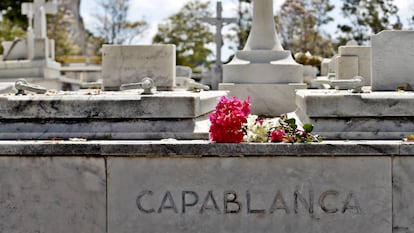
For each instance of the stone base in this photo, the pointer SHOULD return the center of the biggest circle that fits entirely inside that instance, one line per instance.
(107, 115)
(266, 99)
(344, 115)
(263, 67)
(29, 69)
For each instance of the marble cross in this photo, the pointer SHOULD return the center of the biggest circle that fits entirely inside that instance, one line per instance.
(219, 22)
(38, 10)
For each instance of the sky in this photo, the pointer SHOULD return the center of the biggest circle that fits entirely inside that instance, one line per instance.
(154, 11)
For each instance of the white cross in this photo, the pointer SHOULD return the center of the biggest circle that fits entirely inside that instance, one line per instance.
(38, 10)
(219, 22)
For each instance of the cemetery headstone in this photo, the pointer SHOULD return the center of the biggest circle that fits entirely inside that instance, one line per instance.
(354, 60)
(130, 64)
(392, 56)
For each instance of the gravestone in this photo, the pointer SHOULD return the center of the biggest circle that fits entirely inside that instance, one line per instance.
(274, 194)
(352, 61)
(124, 64)
(44, 194)
(34, 57)
(264, 64)
(392, 53)
(383, 113)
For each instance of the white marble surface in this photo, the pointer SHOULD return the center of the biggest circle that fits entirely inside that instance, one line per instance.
(89, 104)
(131, 63)
(363, 67)
(392, 56)
(342, 103)
(52, 195)
(312, 195)
(266, 99)
(345, 115)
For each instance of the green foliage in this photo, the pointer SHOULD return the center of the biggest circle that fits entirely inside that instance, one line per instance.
(9, 31)
(12, 12)
(367, 17)
(188, 33)
(113, 26)
(58, 30)
(244, 23)
(300, 22)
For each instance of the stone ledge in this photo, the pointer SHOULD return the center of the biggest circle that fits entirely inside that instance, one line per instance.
(200, 148)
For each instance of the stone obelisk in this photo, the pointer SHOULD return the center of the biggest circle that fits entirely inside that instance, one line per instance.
(263, 70)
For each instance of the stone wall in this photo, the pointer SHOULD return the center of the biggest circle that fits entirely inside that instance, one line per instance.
(197, 186)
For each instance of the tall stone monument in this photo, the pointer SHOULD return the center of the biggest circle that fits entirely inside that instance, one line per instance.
(263, 70)
(33, 57)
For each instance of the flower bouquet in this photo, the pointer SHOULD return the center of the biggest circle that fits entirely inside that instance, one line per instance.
(232, 123)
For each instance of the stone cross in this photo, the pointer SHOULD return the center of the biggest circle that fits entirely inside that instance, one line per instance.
(38, 10)
(219, 22)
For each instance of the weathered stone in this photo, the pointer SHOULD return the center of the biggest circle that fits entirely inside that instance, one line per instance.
(325, 66)
(249, 195)
(344, 115)
(130, 64)
(203, 148)
(264, 64)
(334, 103)
(52, 195)
(346, 67)
(403, 192)
(363, 55)
(107, 115)
(264, 101)
(392, 53)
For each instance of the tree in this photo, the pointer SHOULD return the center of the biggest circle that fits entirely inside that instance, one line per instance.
(58, 30)
(244, 23)
(367, 17)
(189, 34)
(114, 26)
(299, 24)
(9, 31)
(11, 11)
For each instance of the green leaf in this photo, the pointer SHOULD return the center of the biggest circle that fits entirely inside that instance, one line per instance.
(308, 127)
(291, 121)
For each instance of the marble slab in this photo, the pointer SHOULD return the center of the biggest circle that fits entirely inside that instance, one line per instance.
(278, 194)
(266, 99)
(48, 195)
(112, 129)
(403, 192)
(338, 103)
(124, 64)
(103, 105)
(392, 53)
(363, 55)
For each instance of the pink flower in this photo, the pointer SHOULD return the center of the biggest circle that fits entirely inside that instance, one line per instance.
(228, 119)
(277, 135)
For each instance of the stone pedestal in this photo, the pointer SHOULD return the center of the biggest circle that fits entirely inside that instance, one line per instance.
(344, 115)
(108, 115)
(261, 94)
(263, 62)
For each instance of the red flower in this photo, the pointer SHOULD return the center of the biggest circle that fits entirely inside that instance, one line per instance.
(277, 135)
(228, 119)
